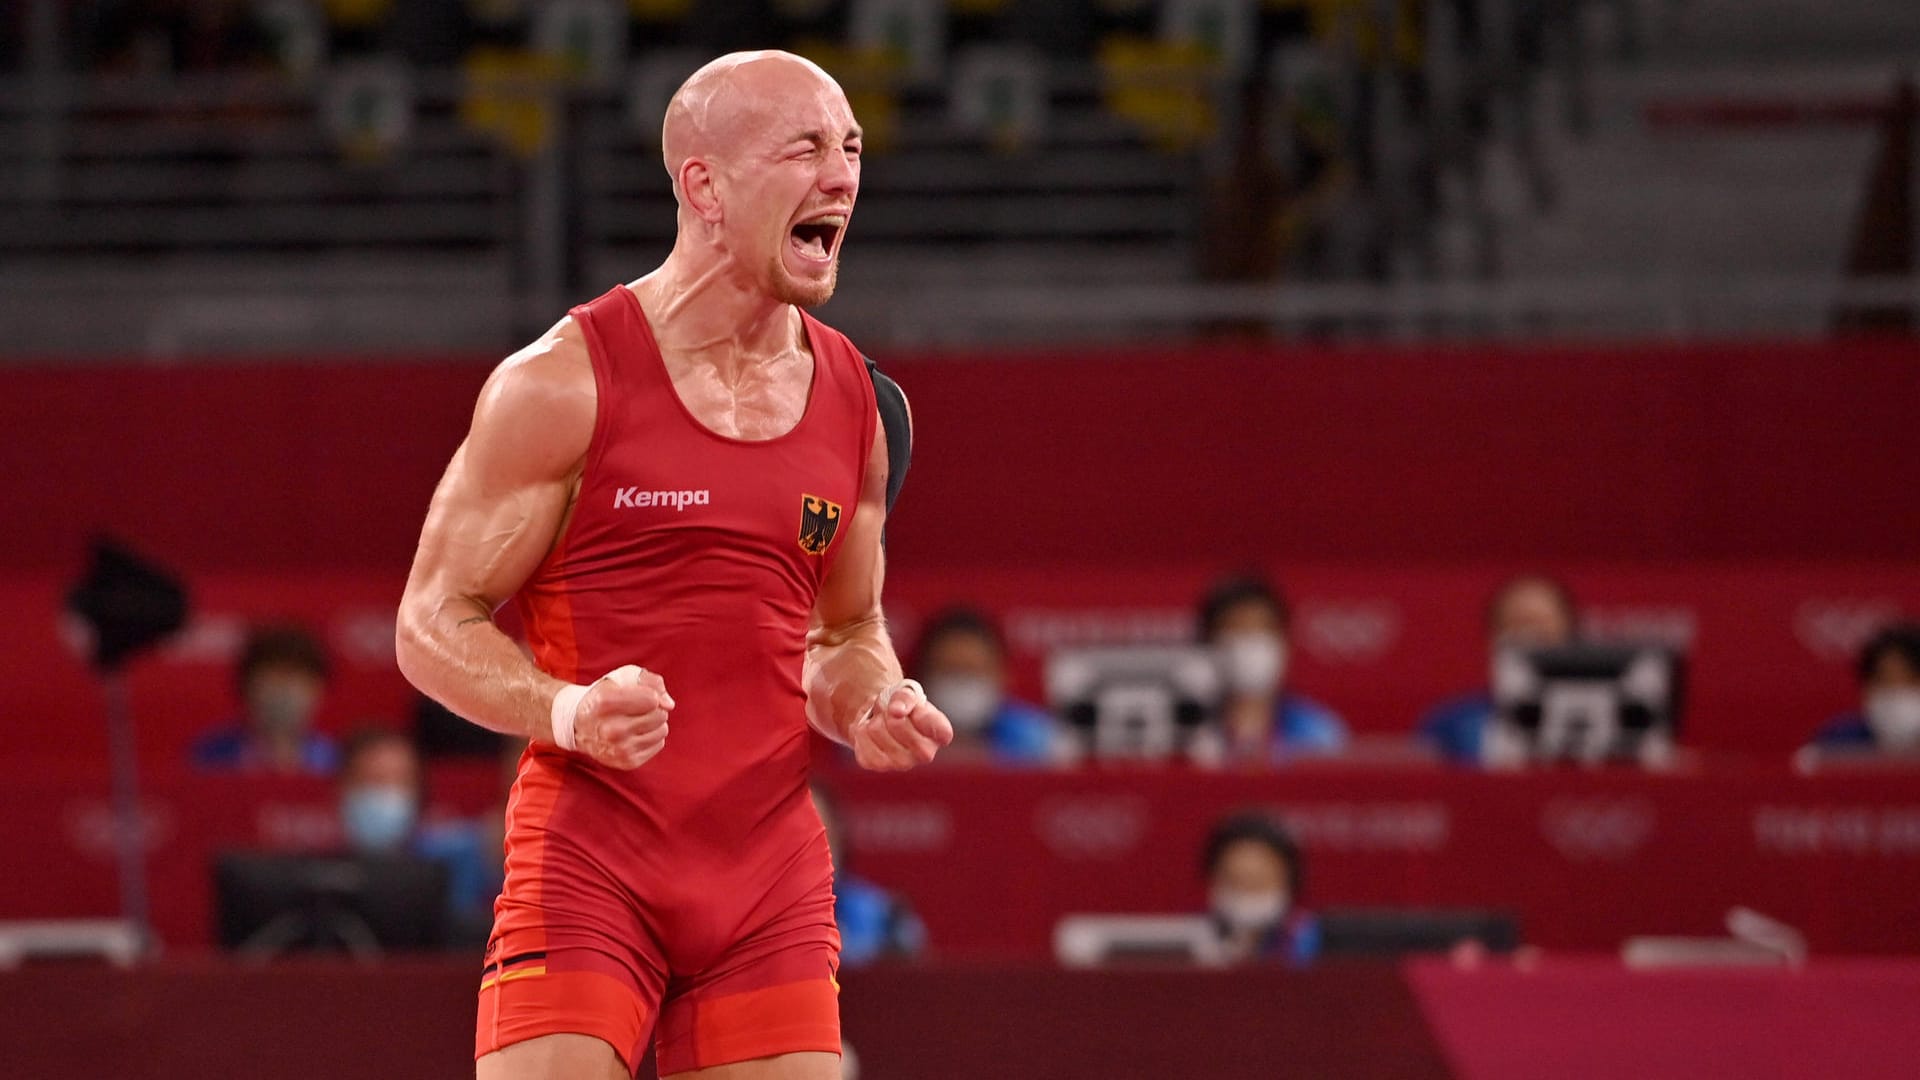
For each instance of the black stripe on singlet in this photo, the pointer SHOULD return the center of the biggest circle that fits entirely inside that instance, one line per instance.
(512, 960)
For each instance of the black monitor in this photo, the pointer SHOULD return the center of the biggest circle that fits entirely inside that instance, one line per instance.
(1586, 703)
(1390, 932)
(1135, 702)
(271, 903)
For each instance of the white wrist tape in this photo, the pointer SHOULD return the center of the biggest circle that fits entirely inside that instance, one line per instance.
(886, 696)
(566, 703)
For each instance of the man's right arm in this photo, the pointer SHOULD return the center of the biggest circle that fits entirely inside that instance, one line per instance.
(496, 514)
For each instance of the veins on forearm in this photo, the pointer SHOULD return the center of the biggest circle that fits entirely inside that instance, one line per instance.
(479, 611)
(854, 658)
(847, 633)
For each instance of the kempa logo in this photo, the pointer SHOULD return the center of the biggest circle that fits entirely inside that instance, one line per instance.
(640, 498)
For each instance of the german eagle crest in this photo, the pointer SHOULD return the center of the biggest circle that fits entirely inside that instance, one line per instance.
(819, 520)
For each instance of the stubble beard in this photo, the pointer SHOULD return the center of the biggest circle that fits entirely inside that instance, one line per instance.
(800, 292)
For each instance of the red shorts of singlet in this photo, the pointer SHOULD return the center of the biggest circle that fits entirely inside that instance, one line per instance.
(724, 971)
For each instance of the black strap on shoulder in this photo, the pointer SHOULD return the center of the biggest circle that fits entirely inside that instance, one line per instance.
(892, 402)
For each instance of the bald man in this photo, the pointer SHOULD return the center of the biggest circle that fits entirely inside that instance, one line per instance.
(682, 486)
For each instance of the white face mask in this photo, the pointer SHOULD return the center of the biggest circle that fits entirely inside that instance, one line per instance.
(1248, 912)
(1894, 716)
(1252, 663)
(377, 818)
(968, 700)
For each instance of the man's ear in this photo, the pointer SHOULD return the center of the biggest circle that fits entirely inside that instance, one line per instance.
(699, 187)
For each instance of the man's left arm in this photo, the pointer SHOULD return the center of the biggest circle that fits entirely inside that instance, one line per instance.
(855, 693)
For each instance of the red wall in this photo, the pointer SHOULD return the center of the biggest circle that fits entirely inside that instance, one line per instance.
(312, 1018)
(1755, 501)
(993, 860)
(1573, 1019)
(1223, 455)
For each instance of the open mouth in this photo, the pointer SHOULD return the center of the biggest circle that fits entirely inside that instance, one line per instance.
(814, 239)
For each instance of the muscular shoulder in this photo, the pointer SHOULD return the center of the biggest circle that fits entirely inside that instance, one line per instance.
(536, 411)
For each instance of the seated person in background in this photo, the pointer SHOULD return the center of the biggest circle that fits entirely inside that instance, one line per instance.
(493, 824)
(1531, 611)
(1247, 620)
(282, 677)
(439, 733)
(1253, 872)
(473, 896)
(382, 790)
(1889, 718)
(874, 923)
(962, 664)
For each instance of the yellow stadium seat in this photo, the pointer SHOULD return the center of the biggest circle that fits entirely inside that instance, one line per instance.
(1161, 87)
(509, 94)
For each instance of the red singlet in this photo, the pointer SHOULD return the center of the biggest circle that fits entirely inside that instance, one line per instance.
(692, 895)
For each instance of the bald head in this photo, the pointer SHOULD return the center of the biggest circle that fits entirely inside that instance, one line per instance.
(728, 103)
(765, 159)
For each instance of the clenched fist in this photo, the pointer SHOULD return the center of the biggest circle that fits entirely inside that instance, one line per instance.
(622, 720)
(901, 730)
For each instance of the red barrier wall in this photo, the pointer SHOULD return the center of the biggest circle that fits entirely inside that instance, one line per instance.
(993, 861)
(1589, 1019)
(1584, 859)
(1746, 499)
(1573, 1019)
(1214, 455)
(315, 1019)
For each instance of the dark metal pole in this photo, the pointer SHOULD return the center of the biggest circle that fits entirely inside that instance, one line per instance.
(129, 830)
(51, 92)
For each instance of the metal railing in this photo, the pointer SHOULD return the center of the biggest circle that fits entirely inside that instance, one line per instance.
(223, 215)
(1744, 307)
(226, 214)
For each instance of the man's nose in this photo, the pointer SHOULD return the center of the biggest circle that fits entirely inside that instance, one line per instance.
(840, 175)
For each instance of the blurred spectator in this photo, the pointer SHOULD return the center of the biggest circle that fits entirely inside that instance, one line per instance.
(382, 792)
(438, 732)
(13, 33)
(720, 26)
(493, 826)
(381, 789)
(1054, 28)
(473, 887)
(430, 33)
(169, 37)
(1889, 718)
(282, 678)
(1246, 621)
(874, 923)
(1531, 611)
(962, 662)
(1253, 871)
